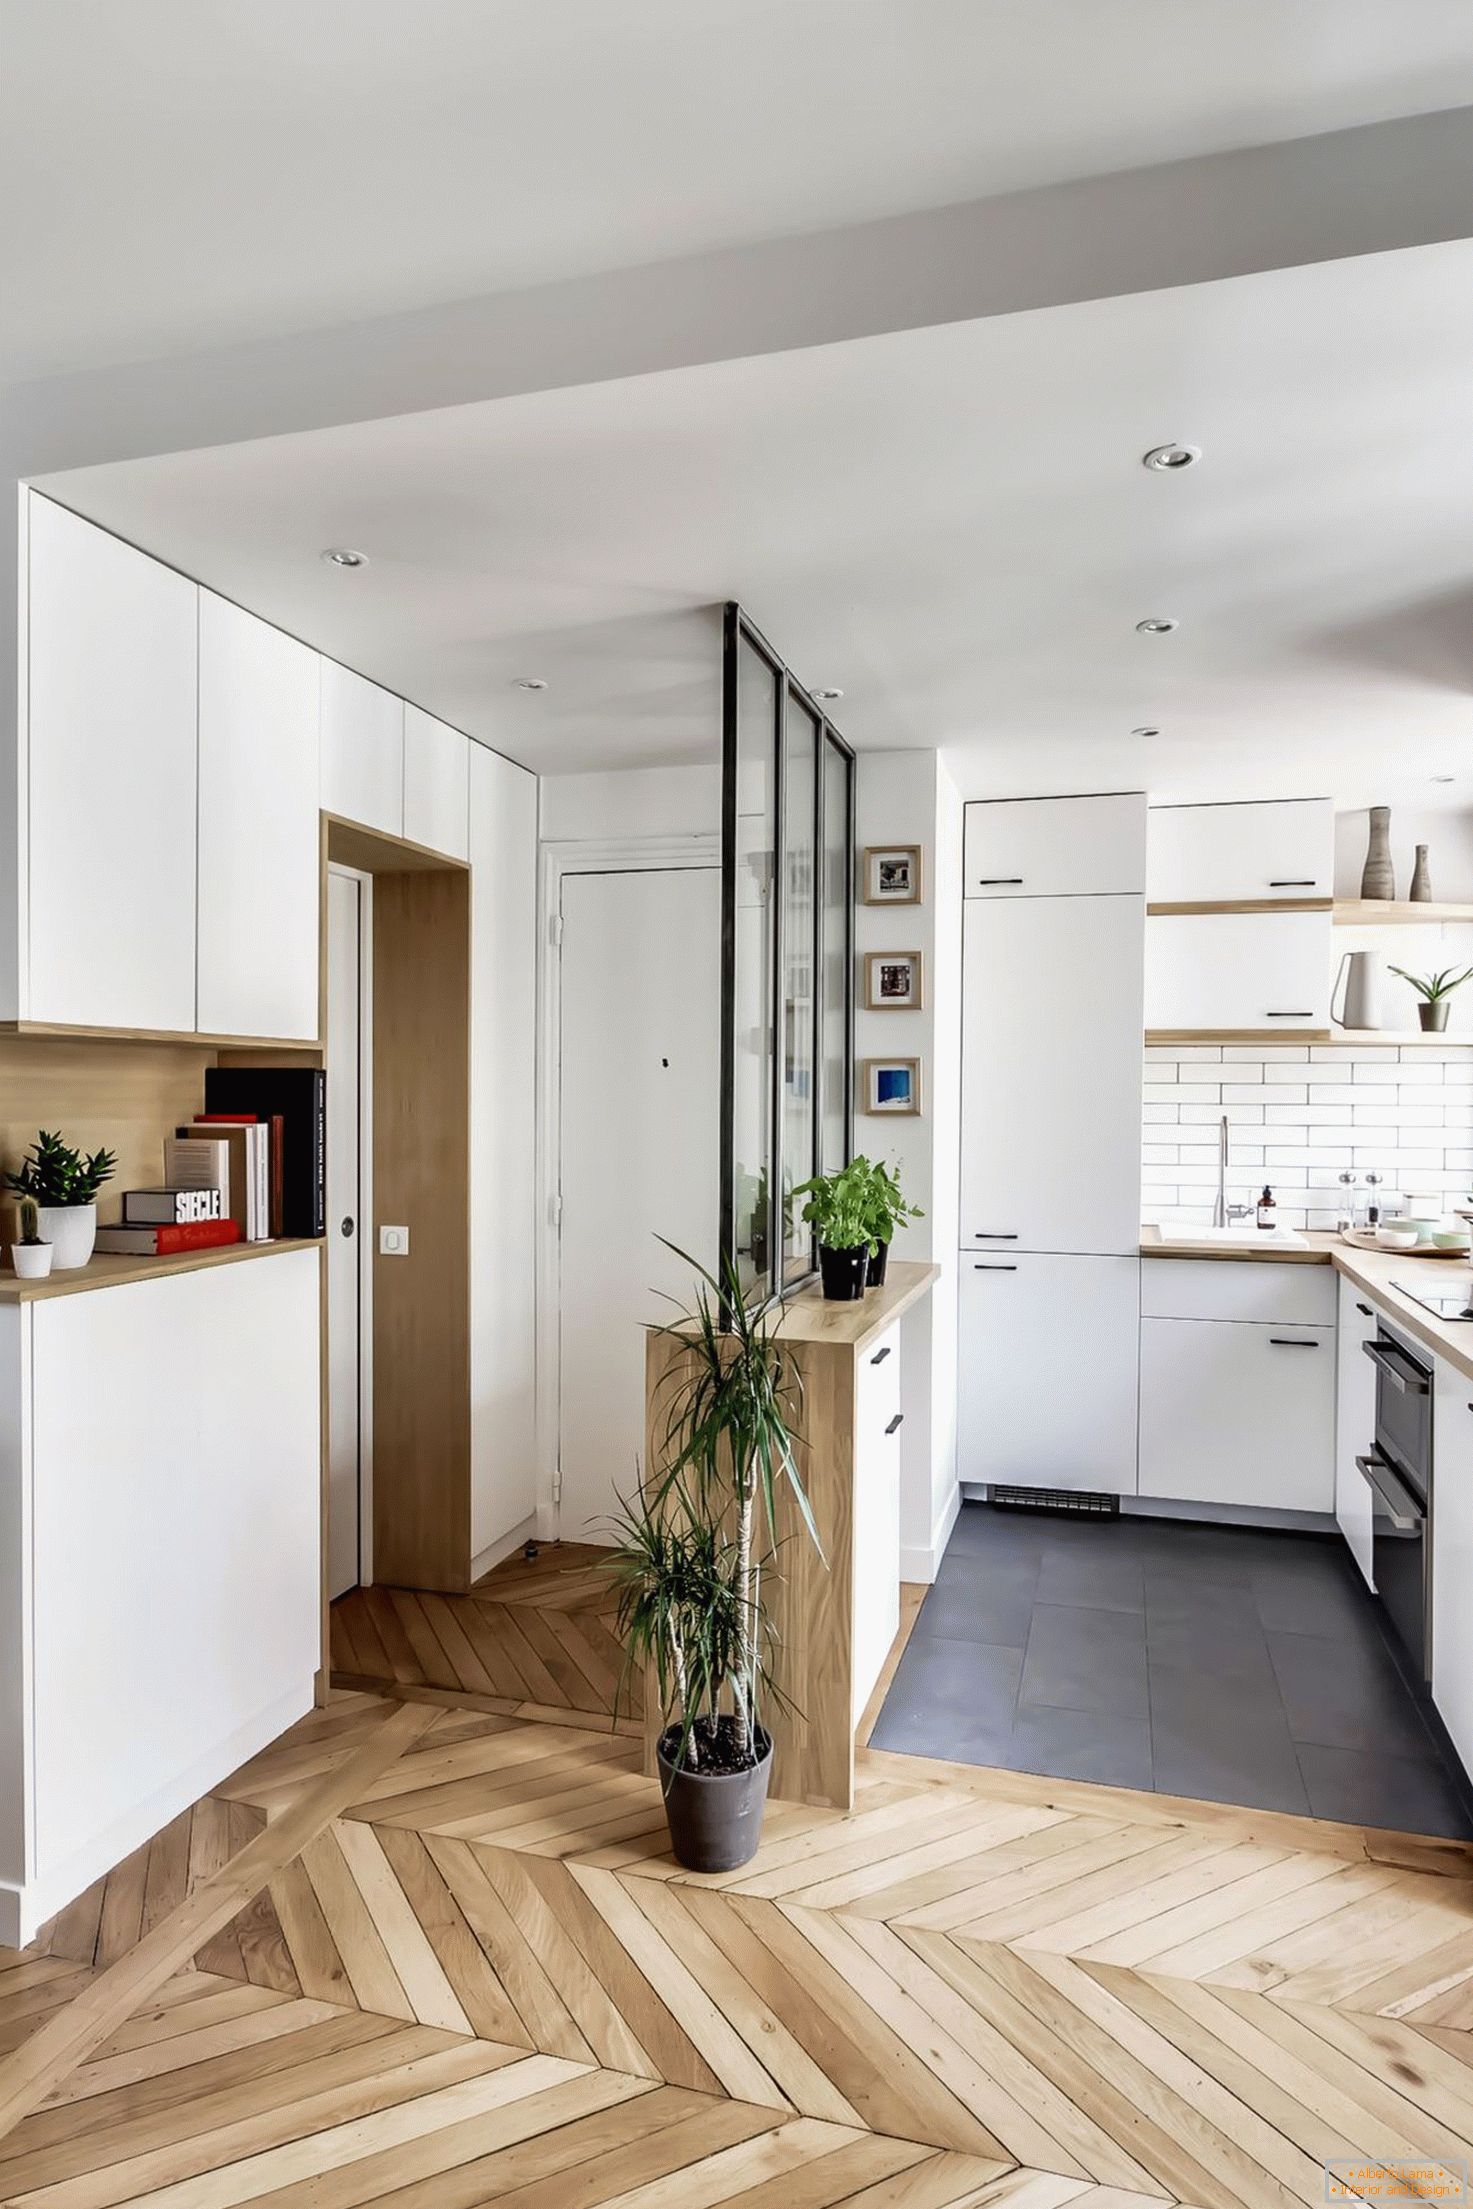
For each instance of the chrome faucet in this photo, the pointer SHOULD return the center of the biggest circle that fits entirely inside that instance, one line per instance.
(1222, 1211)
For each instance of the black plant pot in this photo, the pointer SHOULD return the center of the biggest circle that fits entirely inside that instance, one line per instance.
(843, 1272)
(877, 1265)
(715, 1818)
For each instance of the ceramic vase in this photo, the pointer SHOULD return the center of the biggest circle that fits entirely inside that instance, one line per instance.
(1378, 876)
(1421, 879)
(71, 1230)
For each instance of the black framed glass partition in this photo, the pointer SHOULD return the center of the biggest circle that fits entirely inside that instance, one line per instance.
(787, 1091)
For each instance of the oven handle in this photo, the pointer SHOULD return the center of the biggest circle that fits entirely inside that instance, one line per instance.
(1400, 1505)
(1383, 1354)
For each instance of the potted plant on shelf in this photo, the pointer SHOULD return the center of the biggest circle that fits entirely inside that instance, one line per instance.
(30, 1256)
(63, 1186)
(1434, 990)
(689, 1561)
(885, 1209)
(837, 1209)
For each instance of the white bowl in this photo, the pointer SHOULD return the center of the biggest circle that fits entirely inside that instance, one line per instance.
(1397, 1238)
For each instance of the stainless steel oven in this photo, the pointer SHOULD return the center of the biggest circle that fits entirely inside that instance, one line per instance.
(1398, 1472)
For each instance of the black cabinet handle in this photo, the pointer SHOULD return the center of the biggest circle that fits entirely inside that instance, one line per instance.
(1288, 1016)
(999, 882)
(1292, 1342)
(894, 1423)
(993, 1235)
(1310, 885)
(881, 1355)
(1366, 1313)
(994, 1269)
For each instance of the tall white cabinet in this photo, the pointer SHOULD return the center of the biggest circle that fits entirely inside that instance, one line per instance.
(1052, 993)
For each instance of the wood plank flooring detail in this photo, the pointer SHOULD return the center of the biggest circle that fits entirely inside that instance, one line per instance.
(440, 1956)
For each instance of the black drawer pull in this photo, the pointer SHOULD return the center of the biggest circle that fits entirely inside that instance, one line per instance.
(894, 1423)
(1310, 885)
(1365, 1311)
(999, 882)
(1288, 1016)
(993, 1235)
(1292, 1342)
(994, 1269)
(881, 1355)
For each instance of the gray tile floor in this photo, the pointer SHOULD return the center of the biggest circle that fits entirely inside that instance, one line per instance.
(1219, 1662)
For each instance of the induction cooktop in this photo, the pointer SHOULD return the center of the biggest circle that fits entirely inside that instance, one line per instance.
(1455, 1306)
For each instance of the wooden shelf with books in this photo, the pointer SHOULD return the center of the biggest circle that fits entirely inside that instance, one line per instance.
(107, 1272)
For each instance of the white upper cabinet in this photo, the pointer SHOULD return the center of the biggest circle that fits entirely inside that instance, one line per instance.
(1259, 973)
(259, 863)
(436, 784)
(1055, 847)
(362, 751)
(109, 768)
(1221, 854)
(1051, 1074)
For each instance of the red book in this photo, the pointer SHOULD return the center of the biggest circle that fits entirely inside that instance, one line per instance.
(228, 1119)
(168, 1241)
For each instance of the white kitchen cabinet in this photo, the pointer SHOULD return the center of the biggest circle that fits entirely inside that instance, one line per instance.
(876, 1551)
(1238, 1412)
(108, 811)
(1355, 1423)
(172, 1575)
(1265, 973)
(1046, 1381)
(1452, 1554)
(1055, 847)
(1051, 1074)
(259, 860)
(1238, 1288)
(1221, 853)
(436, 784)
(362, 751)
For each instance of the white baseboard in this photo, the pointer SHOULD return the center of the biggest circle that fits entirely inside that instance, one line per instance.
(922, 1565)
(505, 1545)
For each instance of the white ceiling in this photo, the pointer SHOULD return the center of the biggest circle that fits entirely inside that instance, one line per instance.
(176, 174)
(951, 524)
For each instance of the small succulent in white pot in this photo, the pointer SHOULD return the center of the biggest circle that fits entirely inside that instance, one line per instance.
(30, 1256)
(62, 1183)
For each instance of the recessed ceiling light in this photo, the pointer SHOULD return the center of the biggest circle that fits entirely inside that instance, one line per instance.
(343, 556)
(1145, 732)
(1156, 625)
(828, 695)
(1166, 459)
(529, 682)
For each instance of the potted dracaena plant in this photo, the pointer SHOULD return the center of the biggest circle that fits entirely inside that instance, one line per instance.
(1435, 990)
(63, 1186)
(885, 1209)
(692, 1547)
(837, 1209)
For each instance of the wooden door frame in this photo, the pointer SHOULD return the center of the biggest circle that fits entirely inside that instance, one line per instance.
(365, 1232)
(603, 855)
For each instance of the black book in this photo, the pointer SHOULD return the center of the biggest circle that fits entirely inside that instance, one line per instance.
(299, 1095)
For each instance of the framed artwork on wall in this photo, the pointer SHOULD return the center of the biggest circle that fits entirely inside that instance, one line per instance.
(892, 981)
(892, 1086)
(892, 874)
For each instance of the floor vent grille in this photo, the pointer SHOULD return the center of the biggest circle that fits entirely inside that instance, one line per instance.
(1069, 1502)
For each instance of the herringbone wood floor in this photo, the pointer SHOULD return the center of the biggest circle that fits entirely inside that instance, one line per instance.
(434, 1953)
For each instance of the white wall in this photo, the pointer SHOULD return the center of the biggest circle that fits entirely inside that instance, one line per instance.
(641, 801)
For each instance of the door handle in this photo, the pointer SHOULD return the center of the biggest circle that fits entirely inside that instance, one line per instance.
(1382, 1357)
(994, 1269)
(1288, 1016)
(999, 882)
(1365, 1311)
(1310, 885)
(895, 1422)
(1397, 1502)
(881, 1355)
(993, 1235)
(347, 1226)
(1292, 1342)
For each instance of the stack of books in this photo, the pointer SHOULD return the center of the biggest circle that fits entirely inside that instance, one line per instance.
(252, 1167)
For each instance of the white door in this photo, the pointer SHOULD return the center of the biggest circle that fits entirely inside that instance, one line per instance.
(1051, 1074)
(362, 763)
(348, 913)
(1206, 852)
(1046, 1371)
(1268, 973)
(639, 1086)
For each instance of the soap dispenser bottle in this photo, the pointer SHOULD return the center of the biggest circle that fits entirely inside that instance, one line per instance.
(1266, 1207)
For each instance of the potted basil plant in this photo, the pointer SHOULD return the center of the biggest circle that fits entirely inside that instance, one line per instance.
(838, 1211)
(691, 1549)
(1435, 991)
(885, 1209)
(63, 1186)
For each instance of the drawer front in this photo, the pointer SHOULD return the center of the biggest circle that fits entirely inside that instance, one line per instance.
(1236, 1414)
(1237, 1288)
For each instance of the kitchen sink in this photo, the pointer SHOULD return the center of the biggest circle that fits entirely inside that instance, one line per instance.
(1247, 1233)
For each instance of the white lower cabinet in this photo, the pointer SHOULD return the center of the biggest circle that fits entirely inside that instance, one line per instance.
(1046, 1379)
(1355, 1423)
(1238, 1412)
(1452, 1555)
(876, 1551)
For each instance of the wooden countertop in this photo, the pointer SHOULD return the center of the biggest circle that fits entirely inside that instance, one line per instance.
(809, 1319)
(106, 1270)
(1374, 1271)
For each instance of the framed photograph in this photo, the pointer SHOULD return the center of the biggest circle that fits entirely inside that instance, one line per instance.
(892, 874)
(892, 1085)
(892, 981)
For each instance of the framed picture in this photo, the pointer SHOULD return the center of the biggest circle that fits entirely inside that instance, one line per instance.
(892, 874)
(892, 1085)
(892, 981)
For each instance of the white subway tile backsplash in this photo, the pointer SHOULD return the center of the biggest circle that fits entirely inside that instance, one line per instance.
(1298, 1117)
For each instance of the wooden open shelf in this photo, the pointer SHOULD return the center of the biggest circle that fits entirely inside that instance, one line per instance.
(1374, 912)
(109, 1271)
(1390, 1037)
(1186, 907)
(193, 1039)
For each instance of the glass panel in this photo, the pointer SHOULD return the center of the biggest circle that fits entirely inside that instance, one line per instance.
(752, 1009)
(800, 830)
(834, 981)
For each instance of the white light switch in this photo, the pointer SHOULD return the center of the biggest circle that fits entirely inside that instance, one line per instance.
(393, 1242)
